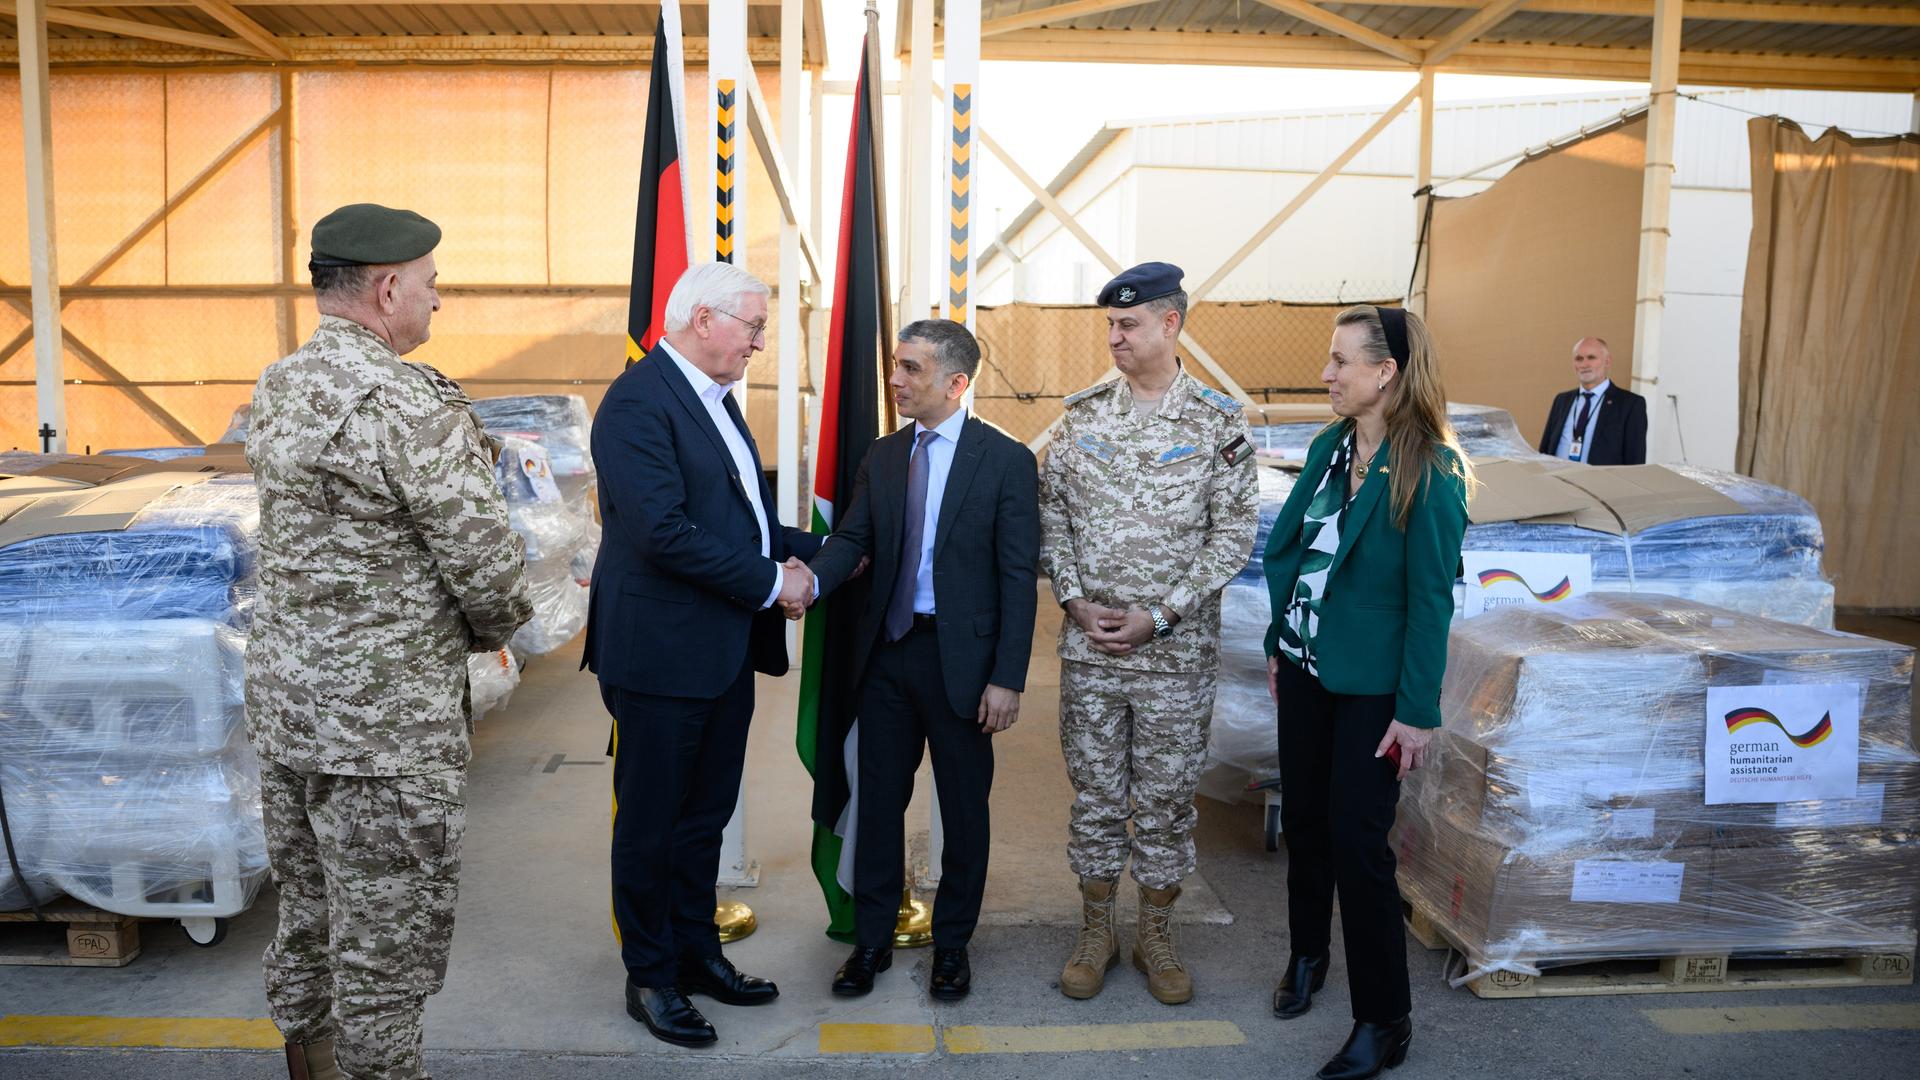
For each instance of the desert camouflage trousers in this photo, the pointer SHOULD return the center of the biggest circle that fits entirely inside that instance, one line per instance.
(367, 868)
(1135, 742)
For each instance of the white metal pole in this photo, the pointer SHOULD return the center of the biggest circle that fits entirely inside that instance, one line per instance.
(918, 119)
(727, 99)
(37, 120)
(1656, 195)
(962, 32)
(788, 494)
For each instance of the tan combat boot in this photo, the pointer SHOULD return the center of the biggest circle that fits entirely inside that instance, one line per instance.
(1097, 948)
(312, 1061)
(1153, 951)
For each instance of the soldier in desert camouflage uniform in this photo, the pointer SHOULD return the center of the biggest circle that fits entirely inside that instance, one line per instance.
(1148, 507)
(385, 558)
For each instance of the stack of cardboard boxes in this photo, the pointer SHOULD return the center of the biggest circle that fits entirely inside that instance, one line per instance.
(1610, 782)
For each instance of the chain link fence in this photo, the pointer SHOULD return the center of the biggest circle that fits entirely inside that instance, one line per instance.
(1034, 355)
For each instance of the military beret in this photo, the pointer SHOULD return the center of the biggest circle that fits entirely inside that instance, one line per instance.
(1139, 284)
(368, 233)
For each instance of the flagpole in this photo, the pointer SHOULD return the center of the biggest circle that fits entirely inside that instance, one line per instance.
(876, 99)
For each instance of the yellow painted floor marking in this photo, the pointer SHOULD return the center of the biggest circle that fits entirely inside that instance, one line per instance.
(876, 1038)
(1739, 1020)
(1177, 1035)
(189, 1032)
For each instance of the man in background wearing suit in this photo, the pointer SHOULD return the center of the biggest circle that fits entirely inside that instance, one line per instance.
(683, 611)
(948, 508)
(1600, 423)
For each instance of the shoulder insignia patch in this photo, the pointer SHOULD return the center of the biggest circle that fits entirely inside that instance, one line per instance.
(1226, 403)
(1095, 390)
(1236, 451)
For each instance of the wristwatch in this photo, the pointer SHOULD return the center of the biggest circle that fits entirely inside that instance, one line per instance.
(1161, 627)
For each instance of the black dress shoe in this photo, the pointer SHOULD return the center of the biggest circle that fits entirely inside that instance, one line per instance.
(1371, 1048)
(855, 977)
(952, 975)
(1305, 976)
(669, 1015)
(716, 977)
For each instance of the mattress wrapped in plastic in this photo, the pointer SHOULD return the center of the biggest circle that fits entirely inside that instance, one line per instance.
(1564, 815)
(562, 538)
(189, 554)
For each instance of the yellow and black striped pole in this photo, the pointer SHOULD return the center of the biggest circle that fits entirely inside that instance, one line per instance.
(723, 169)
(960, 194)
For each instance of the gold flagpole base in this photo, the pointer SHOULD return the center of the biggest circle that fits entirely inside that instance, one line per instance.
(914, 928)
(735, 920)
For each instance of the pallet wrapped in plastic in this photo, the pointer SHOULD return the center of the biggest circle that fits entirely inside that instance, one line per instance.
(561, 538)
(122, 708)
(128, 767)
(1242, 745)
(1564, 817)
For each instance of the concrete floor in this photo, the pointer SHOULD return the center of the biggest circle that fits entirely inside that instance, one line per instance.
(534, 987)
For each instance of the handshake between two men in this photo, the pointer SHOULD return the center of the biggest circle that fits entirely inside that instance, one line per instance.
(799, 588)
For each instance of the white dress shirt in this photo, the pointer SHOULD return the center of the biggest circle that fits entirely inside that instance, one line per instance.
(1565, 449)
(713, 395)
(939, 451)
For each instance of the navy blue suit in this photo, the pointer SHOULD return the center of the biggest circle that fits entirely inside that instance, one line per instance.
(675, 632)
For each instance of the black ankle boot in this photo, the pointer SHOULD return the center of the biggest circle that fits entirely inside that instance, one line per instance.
(1371, 1048)
(1305, 976)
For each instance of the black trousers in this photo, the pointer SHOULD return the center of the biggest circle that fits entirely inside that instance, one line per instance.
(676, 777)
(1337, 803)
(903, 706)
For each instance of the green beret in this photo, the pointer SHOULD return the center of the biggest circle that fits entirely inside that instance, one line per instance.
(368, 233)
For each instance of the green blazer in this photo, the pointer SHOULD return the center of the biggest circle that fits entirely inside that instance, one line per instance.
(1389, 598)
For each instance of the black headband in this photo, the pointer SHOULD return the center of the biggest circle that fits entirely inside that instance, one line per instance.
(1394, 322)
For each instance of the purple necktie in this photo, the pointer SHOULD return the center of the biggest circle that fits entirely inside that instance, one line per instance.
(907, 581)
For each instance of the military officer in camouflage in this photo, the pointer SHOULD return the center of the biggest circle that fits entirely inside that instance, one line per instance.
(385, 558)
(1148, 506)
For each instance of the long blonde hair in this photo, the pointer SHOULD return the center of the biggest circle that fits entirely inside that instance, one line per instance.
(1416, 408)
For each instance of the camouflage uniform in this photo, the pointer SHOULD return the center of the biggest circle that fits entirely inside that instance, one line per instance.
(385, 558)
(1136, 510)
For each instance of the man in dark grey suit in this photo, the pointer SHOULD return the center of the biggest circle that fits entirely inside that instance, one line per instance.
(948, 509)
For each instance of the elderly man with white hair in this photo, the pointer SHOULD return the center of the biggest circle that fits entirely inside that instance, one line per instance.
(694, 575)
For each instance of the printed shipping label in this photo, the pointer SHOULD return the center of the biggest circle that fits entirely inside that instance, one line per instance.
(1863, 809)
(1630, 824)
(1615, 881)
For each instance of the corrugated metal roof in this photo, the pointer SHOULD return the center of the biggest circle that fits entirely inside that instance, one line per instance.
(299, 20)
(1414, 22)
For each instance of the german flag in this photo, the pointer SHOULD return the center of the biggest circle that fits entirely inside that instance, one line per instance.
(660, 226)
(859, 342)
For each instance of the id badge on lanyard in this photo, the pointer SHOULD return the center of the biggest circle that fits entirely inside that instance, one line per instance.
(1574, 453)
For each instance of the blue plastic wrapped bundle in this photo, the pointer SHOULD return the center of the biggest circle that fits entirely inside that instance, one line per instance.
(161, 453)
(1779, 536)
(559, 424)
(190, 554)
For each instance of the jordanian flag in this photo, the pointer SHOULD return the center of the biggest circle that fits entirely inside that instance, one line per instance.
(660, 226)
(850, 415)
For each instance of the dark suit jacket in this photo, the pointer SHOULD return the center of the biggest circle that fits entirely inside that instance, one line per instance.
(1618, 436)
(679, 581)
(986, 552)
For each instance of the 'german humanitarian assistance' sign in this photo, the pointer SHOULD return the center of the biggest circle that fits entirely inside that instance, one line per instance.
(1782, 743)
(1497, 579)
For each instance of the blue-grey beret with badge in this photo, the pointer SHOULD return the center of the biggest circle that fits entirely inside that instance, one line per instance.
(368, 234)
(1139, 284)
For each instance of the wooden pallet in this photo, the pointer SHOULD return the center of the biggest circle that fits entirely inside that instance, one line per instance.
(73, 935)
(1677, 974)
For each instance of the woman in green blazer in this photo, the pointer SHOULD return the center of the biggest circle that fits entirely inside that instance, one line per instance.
(1361, 565)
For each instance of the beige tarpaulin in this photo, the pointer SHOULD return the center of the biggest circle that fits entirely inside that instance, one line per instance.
(1830, 347)
(1519, 272)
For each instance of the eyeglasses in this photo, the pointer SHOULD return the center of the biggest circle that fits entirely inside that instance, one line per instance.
(756, 330)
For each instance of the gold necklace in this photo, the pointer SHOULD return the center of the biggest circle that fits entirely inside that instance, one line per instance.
(1361, 461)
